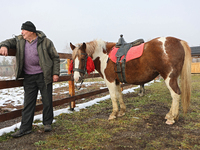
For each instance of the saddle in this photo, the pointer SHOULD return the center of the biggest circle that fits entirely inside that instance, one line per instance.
(122, 51)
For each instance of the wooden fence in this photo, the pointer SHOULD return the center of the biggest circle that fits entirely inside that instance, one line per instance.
(71, 99)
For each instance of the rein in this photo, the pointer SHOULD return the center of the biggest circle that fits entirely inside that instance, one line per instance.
(78, 88)
(83, 71)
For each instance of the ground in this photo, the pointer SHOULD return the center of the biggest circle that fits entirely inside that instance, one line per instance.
(150, 132)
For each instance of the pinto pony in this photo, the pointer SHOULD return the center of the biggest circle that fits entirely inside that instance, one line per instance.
(168, 56)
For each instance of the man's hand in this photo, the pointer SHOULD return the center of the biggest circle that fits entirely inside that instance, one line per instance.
(55, 78)
(4, 51)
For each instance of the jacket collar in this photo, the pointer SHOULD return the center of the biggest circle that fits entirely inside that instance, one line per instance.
(40, 35)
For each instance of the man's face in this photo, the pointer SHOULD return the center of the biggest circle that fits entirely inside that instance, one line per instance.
(26, 34)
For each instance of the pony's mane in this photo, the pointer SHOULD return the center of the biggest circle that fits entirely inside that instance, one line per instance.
(92, 46)
(95, 45)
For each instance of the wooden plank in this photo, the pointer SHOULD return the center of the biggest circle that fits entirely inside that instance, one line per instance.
(65, 56)
(10, 83)
(69, 77)
(76, 97)
(10, 115)
(17, 83)
(17, 113)
(195, 67)
(64, 78)
(92, 75)
(12, 52)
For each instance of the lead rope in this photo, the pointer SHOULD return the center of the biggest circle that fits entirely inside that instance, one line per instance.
(78, 88)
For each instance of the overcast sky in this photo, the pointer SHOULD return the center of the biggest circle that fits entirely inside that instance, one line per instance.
(77, 21)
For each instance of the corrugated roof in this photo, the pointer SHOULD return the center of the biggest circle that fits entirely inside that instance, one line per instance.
(195, 50)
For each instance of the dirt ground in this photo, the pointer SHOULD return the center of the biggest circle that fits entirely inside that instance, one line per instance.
(155, 125)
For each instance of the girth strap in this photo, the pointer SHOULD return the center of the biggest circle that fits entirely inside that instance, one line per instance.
(121, 70)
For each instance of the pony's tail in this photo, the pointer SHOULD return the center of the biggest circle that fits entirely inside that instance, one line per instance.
(186, 77)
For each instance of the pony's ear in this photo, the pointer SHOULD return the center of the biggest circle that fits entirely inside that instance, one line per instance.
(83, 46)
(72, 46)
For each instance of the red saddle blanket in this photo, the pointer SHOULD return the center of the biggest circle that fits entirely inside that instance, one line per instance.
(133, 52)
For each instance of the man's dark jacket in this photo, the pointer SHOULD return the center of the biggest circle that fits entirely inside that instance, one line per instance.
(48, 57)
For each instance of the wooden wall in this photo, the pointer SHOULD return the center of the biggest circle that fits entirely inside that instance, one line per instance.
(195, 68)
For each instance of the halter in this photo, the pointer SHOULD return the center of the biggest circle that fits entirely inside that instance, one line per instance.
(83, 71)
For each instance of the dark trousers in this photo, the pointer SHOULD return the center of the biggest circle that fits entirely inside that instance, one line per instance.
(33, 83)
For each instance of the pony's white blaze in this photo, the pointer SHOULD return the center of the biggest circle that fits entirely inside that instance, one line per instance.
(163, 39)
(76, 73)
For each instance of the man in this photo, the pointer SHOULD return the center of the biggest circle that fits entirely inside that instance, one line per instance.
(38, 63)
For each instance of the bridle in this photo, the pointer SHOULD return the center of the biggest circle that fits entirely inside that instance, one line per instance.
(83, 71)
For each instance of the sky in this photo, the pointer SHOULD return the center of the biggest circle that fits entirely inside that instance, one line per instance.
(77, 21)
(17, 99)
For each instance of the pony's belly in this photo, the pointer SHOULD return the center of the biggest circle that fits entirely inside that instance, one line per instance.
(138, 79)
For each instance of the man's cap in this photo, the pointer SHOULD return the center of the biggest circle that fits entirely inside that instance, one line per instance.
(29, 26)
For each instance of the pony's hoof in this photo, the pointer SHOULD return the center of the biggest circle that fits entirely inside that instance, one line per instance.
(169, 122)
(112, 117)
(167, 116)
(140, 94)
(120, 114)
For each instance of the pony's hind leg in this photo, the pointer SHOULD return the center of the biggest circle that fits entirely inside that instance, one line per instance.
(173, 87)
(142, 90)
(121, 102)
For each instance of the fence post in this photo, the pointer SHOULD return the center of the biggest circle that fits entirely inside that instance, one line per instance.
(71, 88)
(121, 86)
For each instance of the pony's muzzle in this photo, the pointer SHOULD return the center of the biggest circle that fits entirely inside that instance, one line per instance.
(78, 77)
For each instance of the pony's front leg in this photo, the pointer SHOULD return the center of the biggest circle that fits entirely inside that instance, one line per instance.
(121, 102)
(173, 114)
(112, 90)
